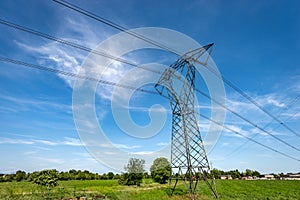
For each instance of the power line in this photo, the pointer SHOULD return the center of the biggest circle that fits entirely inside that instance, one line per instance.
(229, 83)
(122, 28)
(25, 64)
(75, 45)
(292, 116)
(70, 74)
(248, 138)
(72, 44)
(114, 25)
(247, 120)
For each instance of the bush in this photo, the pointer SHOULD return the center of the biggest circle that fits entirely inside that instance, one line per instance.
(46, 178)
(131, 179)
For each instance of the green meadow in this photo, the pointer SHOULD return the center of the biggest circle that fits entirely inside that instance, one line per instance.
(110, 189)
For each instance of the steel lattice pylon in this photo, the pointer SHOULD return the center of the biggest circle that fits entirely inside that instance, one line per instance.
(188, 154)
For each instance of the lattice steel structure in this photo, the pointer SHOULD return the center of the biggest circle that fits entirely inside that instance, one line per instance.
(188, 154)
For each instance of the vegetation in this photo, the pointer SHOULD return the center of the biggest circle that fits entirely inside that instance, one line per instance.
(235, 174)
(135, 165)
(131, 179)
(54, 185)
(20, 175)
(161, 170)
(61, 176)
(46, 178)
(227, 189)
(135, 171)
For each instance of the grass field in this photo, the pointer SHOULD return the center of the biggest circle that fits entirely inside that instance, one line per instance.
(227, 189)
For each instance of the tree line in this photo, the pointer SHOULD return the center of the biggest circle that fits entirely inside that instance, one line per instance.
(235, 174)
(160, 171)
(62, 176)
(135, 172)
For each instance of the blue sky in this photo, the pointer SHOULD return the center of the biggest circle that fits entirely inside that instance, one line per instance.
(256, 47)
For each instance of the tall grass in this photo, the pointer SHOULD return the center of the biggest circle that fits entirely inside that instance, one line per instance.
(227, 189)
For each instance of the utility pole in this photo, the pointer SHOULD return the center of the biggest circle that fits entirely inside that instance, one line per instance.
(188, 156)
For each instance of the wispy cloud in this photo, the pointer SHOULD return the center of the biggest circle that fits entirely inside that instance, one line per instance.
(50, 160)
(72, 142)
(124, 146)
(55, 55)
(67, 141)
(241, 105)
(235, 129)
(15, 141)
(280, 105)
(63, 57)
(162, 144)
(30, 152)
(36, 103)
(46, 142)
(143, 153)
(69, 59)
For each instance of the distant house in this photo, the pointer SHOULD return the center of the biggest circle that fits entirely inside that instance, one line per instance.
(267, 177)
(292, 177)
(225, 177)
(247, 178)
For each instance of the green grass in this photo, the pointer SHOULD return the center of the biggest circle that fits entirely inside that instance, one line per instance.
(259, 189)
(227, 189)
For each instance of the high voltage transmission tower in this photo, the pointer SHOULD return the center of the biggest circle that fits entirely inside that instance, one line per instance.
(188, 156)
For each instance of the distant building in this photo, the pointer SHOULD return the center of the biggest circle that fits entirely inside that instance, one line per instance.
(247, 178)
(291, 177)
(267, 177)
(226, 177)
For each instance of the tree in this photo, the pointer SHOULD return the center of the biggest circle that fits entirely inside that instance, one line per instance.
(117, 176)
(216, 173)
(104, 176)
(161, 170)
(131, 179)
(135, 170)
(135, 165)
(146, 175)
(234, 174)
(73, 173)
(20, 175)
(248, 172)
(46, 178)
(64, 176)
(8, 178)
(110, 175)
(80, 175)
(256, 173)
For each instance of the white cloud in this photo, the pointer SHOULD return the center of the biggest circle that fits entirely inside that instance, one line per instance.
(50, 160)
(110, 152)
(143, 153)
(124, 146)
(63, 57)
(37, 103)
(270, 99)
(56, 56)
(67, 141)
(46, 142)
(15, 141)
(72, 142)
(162, 143)
(225, 144)
(241, 105)
(235, 129)
(30, 152)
